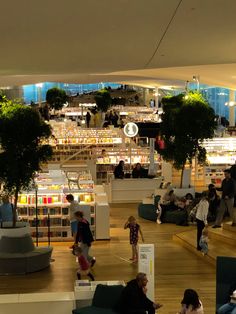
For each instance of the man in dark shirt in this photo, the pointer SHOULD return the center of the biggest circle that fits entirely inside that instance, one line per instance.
(133, 298)
(227, 200)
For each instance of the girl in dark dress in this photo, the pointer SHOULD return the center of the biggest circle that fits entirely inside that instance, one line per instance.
(133, 236)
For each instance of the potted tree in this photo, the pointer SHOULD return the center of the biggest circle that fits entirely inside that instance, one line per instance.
(103, 101)
(22, 132)
(187, 120)
(56, 98)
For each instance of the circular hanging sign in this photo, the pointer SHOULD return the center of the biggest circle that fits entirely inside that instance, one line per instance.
(131, 129)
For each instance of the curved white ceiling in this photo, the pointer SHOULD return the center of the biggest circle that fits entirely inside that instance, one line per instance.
(89, 41)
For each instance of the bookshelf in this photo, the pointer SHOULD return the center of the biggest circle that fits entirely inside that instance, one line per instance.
(54, 206)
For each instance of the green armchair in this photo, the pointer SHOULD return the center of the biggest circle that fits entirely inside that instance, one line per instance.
(148, 211)
(105, 300)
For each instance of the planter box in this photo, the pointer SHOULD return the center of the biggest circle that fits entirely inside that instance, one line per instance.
(21, 230)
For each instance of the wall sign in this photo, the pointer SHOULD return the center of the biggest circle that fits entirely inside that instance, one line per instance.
(131, 129)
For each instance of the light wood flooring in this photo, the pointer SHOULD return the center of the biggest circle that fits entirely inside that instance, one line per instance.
(175, 267)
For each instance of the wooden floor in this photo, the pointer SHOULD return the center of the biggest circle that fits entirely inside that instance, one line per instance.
(175, 267)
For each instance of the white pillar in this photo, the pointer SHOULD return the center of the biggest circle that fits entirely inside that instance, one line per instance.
(146, 97)
(231, 108)
(156, 94)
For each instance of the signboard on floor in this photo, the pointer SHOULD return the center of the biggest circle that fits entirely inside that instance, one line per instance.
(146, 265)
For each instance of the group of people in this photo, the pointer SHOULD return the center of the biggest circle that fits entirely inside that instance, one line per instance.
(210, 207)
(135, 301)
(83, 238)
(137, 172)
(111, 118)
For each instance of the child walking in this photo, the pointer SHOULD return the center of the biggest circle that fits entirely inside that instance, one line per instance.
(84, 266)
(135, 229)
(203, 243)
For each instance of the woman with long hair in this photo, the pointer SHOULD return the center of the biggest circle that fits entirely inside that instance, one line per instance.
(191, 303)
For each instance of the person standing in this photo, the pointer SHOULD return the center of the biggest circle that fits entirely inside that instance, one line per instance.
(88, 118)
(135, 229)
(227, 200)
(201, 217)
(214, 201)
(133, 297)
(204, 241)
(74, 207)
(84, 266)
(233, 176)
(84, 236)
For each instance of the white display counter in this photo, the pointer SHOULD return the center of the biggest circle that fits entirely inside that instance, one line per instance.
(38, 303)
(131, 190)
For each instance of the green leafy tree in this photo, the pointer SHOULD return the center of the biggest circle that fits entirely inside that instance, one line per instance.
(187, 120)
(56, 98)
(21, 134)
(103, 100)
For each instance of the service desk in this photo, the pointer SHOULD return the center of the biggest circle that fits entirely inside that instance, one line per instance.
(132, 190)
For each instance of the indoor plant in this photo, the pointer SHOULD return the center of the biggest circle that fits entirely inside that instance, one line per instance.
(56, 98)
(187, 120)
(22, 131)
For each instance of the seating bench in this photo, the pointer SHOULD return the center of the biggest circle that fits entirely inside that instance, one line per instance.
(18, 255)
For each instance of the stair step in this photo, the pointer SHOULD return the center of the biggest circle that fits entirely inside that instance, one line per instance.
(188, 239)
(228, 226)
(223, 235)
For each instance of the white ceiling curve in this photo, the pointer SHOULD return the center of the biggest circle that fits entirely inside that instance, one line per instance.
(150, 41)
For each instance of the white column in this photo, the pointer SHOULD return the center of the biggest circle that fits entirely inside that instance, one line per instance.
(146, 97)
(231, 108)
(151, 169)
(156, 94)
(39, 92)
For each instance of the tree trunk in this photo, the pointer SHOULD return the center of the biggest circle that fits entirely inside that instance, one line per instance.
(182, 174)
(15, 207)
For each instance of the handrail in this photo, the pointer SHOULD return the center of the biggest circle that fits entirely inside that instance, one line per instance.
(74, 155)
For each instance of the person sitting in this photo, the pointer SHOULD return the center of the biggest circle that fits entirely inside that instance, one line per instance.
(191, 303)
(138, 171)
(182, 220)
(169, 200)
(119, 170)
(133, 298)
(229, 308)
